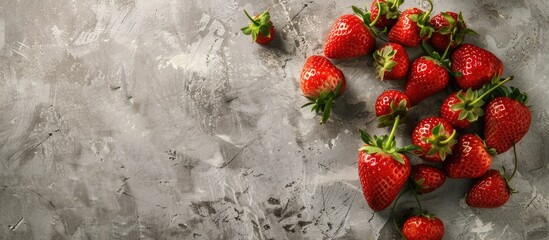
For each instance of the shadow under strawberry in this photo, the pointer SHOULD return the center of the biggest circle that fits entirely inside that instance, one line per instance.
(356, 113)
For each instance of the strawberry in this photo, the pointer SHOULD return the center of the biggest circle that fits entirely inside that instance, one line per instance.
(507, 120)
(470, 158)
(427, 178)
(321, 83)
(261, 28)
(411, 27)
(391, 62)
(461, 109)
(349, 38)
(458, 118)
(423, 227)
(427, 76)
(389, 104)
(381, 177)
(388, 14)
(489, 191)
(435, 137)
(475, 65)
(448, 26)
(382, 168)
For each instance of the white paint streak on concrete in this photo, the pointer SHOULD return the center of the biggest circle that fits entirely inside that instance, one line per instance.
(196, 59)
(481, 228)
(58, 34)
(203, 22)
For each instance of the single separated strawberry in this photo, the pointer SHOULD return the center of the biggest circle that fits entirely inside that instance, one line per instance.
(475, 65)
(321, 83)
(448, 27)
(489, 191)
(388, 13)
(391, 62)
(461, 109)
(389, 105)
(470, 158)
(423, 227)
(349, 38)
(261, 28)
(507, 120)
(435, 137)
(427, 76)
(411, 27)
(427, 178)
(382, 168)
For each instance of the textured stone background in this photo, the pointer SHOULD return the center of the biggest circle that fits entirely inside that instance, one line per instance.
(140, 119)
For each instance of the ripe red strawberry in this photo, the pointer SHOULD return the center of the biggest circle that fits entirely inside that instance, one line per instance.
(448, 25)
(470, 158)
(349, 38)
(261, 28)
(507, 120)
(381, 177)
(427, 76)
(389, 12)
(461, 109)
(489, 191)
(321, 83)
(424, 227)
(476, 65)
(435, 137)
(382, 168)
(391, 62)
(411, 27)
(389, 105)
(427, 178)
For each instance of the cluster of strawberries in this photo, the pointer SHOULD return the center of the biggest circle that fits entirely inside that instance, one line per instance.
(384, 169)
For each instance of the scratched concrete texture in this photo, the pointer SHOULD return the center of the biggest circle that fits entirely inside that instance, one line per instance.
(139, 119)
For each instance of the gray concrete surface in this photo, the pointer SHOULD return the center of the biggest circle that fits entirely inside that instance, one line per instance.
(140, 119)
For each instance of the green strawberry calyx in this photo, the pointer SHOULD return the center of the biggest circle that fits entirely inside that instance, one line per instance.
(399, 110)
(389, 8)
(324, 102)
(491, 151)
(441, 142)
(456, 28)
(422, 21)
(439, 59)
(470, 104)
(502, 91)
(386, 144)
(258, 25)
(469, 110)
(383, 58)
(419, 185)
(428, 215)
(365, 15)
